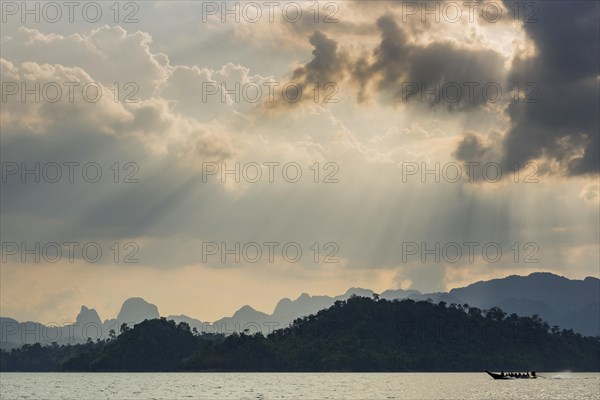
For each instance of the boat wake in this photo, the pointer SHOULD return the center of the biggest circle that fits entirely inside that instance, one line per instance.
(563, 375)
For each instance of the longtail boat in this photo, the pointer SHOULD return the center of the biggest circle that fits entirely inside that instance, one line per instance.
(511, 375)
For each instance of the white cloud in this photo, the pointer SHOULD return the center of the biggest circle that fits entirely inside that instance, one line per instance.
(108, 54)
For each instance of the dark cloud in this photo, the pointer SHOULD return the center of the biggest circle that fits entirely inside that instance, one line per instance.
(328, 64)
(484, 150)
(328, 67)
(563, 125)
(471, 148)
(404, 72)
(559, 121)
(391, 56)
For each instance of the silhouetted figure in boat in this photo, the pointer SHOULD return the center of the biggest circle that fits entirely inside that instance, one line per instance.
(502, 373)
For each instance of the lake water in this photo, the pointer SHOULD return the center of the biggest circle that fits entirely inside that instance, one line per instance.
(294, 386)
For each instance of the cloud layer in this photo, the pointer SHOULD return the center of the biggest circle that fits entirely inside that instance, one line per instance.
(173, 100)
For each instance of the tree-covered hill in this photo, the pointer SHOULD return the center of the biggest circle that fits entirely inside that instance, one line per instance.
(360, 334)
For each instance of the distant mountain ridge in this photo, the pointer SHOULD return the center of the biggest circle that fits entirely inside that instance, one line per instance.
(561, 294)
(570, 304)
(360, 334)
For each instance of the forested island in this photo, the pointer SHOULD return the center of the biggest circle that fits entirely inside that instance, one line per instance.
(360, 334)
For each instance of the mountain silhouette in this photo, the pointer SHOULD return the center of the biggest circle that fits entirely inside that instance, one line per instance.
(568, 303)
(88, 316)
(561, 294)
(136, 310)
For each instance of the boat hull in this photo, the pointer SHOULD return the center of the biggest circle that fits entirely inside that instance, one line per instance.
(506, 377)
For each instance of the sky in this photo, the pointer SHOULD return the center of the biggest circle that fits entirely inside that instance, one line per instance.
(205, 155)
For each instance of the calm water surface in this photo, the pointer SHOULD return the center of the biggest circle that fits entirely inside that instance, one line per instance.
(295, 386)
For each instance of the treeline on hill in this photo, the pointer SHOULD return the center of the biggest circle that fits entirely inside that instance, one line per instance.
(360, 334)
